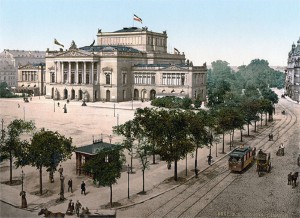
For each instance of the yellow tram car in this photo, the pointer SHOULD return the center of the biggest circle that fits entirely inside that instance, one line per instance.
(240, 158)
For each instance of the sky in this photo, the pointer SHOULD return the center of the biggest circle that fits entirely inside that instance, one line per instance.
(236, 31)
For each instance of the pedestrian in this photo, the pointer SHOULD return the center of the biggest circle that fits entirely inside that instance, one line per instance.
(282, 147)
(83, 188)
(70, 183)
(18, 105)
(290, 178)
(72, 208)
(298, 160)
(209, 158)
(77, 207)
(57, 104)
(69, 207)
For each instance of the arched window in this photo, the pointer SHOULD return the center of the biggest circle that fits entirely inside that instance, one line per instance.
(107, 79)
(52, 77)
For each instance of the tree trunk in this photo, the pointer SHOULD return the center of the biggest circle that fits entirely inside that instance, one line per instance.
(196, 162)
(266, 120)
(143, 181)
(241, 135)
(110, 195)
(248, 129)
(41, 182)
(175, 170)
(261, 119)
(131, 162)
(186, 164)
(232, 138)
(254, 126)
(223, 152)
(10, 167)
(153, 152)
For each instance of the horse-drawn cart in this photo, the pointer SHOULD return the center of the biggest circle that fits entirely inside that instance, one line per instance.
(263, 162)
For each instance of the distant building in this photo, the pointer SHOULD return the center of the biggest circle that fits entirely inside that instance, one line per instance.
(10, 60)
(31, 79)
(131, 63)
(292, 84)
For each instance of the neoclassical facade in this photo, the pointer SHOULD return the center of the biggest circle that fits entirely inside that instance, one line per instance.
(293, 73)
(31, 79)
(130, 63)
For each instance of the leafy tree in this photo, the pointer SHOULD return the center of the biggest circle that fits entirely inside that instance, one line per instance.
(143, 150)
(106, 166)
(149, 126)
(48, 149)
(129, 130)
(186, 103)
(198, 132)
(12, 146)
(174, 143)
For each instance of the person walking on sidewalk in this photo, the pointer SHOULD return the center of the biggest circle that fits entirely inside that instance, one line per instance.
(83, 188)
(77, 207)
(70, 185)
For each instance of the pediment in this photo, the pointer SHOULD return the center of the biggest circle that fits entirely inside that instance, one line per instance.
(51, 68)
(107, 69)
(75, 53)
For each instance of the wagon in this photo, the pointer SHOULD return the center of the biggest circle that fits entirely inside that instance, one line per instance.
(263, 162)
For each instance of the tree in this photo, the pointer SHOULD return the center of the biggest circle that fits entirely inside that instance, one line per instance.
(129, 131)
(173, 139)
(149, 126)
(198, 132)
(106, 166)
(48, 149)
(12, 145)
(143, 150)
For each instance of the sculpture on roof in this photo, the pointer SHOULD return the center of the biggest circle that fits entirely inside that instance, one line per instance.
(99, 30)
(73, 45)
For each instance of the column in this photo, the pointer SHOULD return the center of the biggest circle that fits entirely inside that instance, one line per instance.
(92, 74)
(55, 69)
(69, 73)
(76, 73)
(84, 72)
(62, 70)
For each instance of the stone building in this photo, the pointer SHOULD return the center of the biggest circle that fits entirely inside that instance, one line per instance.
(131, 63)
(293, 73)
(31, 79)
(10, 60)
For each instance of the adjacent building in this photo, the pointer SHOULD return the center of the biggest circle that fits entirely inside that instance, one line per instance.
(11, 60)
(293, 73)
(128, 64)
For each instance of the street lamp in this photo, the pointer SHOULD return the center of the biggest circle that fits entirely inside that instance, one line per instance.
(114, 110)
(128, 171)
(23, 193)
(2, 130)
(62, 178)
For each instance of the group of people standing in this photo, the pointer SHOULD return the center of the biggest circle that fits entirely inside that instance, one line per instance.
(76, 208)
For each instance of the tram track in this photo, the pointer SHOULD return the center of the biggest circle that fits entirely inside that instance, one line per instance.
(192, 204)
(190, 198)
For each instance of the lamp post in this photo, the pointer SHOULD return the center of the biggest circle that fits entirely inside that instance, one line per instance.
(62, 178)
(131, 103)
(117, 119)
(216, 149)
(114, 110)
(128, 171)
(23, 193)
(2, 130)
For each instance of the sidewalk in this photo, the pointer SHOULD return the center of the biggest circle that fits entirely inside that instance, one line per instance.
(96, 198)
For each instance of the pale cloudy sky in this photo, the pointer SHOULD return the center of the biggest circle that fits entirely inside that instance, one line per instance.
(236, 31)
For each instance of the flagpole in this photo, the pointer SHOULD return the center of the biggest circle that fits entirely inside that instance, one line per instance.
(133, 21)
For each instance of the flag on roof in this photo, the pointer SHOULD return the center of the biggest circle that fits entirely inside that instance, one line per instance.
(138, 19)
(57, 43)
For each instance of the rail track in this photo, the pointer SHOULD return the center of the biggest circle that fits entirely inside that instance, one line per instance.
(190, 198)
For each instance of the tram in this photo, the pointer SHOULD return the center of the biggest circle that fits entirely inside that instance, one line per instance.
(241, 157)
